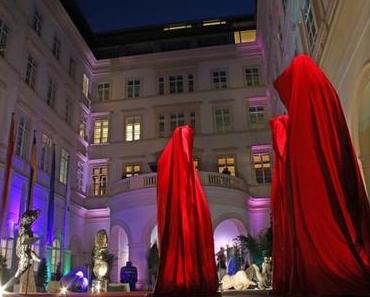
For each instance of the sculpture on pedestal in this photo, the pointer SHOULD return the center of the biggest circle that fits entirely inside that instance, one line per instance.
(25, 239)
(24, 252)
(101, 262)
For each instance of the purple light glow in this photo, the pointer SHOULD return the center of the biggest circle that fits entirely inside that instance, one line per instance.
(79, 273)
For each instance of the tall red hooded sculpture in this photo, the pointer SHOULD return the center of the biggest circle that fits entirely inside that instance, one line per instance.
(187, 263)
(320, 211)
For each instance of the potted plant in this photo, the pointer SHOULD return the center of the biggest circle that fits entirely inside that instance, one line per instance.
(42, 276)
(54, 284)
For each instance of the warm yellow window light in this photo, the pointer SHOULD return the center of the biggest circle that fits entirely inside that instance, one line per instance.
(213, 22)
(244, 36)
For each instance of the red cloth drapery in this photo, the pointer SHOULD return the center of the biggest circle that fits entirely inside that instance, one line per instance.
(320, 211)
(187, 263)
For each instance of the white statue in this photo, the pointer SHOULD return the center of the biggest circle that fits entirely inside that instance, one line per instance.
(238, 281)
(263, 277)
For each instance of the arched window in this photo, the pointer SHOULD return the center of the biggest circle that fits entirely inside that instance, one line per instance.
(55, 255)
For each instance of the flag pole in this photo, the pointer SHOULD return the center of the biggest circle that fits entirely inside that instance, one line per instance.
(7, 174)
(33, 173)
(51, 202)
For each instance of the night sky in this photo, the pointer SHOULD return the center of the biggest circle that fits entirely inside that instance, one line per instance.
(111, 15)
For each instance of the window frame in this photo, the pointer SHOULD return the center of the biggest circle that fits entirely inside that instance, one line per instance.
(101, 138)
(223, 129)
(136, 119)
(230, 166)
(219, 84)
(254, 79)
(133, 87)
(261, 175)
(100, 185)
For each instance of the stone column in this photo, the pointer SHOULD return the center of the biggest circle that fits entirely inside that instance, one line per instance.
(259, 215)
(138, 253)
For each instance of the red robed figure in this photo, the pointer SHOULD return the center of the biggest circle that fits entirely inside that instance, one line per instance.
(187, 264)
(320, 211)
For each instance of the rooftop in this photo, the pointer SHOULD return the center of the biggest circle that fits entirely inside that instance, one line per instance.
(160, 38)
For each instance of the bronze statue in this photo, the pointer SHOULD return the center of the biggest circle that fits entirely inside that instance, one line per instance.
(25, 239)
(100, 260)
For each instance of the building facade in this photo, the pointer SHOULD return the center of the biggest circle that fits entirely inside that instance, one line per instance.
(109, 106)
(336, 34)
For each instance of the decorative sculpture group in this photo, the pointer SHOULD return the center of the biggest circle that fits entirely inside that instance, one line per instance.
(252, 277)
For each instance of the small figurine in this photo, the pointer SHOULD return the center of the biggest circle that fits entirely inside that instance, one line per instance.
(100, 260)
(263, 277)
(129, 275)
(25, 239)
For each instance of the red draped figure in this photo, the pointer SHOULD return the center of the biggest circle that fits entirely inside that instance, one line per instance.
(320, 211)
(187, 264)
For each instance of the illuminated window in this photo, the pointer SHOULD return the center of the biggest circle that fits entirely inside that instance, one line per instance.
(310, 24)
(68, 110)
(103, 92)
(244, 36)
(72, 68)
(55, 255)
(23, 132)
(133, 88)
(223, 119)
(51, 93)
(176, 84)
(45, 152)
(56, 47)
(213, 22)
(226, 165)
(4, 31)
(176, 119)
(252, 77)
(177, 27)
(256, 114)
(7, 251)
(262, 167)
(219, 79)
(37, 22)
(133, 128)
(85, 85)
(100, 178)
(64, 166)
(101, 130)
(31, 72)
(131, 170)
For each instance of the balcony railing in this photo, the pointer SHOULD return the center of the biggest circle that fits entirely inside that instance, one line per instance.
(206, 178)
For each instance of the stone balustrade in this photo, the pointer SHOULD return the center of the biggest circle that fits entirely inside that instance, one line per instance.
(149, 180)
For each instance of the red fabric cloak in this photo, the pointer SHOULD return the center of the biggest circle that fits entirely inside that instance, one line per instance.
(187, 263)
(320, 211)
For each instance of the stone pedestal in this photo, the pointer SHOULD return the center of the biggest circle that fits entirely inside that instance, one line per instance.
(27, 282)
(98, 286)
(53, 287)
